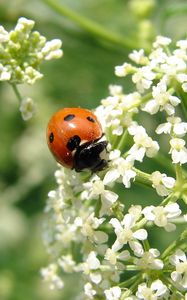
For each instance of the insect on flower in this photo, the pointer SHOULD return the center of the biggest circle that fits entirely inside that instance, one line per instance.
(74, 138)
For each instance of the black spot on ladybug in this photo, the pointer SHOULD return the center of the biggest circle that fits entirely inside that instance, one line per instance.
(69, 117)
(73, 142)
(90, 119)
(51, 137)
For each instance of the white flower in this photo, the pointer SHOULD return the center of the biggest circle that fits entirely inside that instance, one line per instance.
(162, 100)
(121, 170)
(27, 108)
(96, 188)
(68, 181)
(66, 232)
(5, 73)
(52, 50)
(161, 41)
(178, 151)
(117, 128)
(115, 113)
(92, 262)
(184, 87)
(55, 202)
(149, 260)
(154, 292)
(129, 104)
(174, 125)
(123, 70)
(4, 36)
(113, 256)
(126, 234)
(143, 78)
(162, 183)
(179, 260)
(67, 263)
(157, 57)
(115, 90)
(49, 275)
(89, 227)
(143, 143)
(136, 211)
(173, 66)
(163, 216)
(31, 75)
(24, 24)
(182, 44)
(182, 77)
(89, 291)
(113, 293)
(138, 57)
(22, 52)
(91, 268)
(110, 113)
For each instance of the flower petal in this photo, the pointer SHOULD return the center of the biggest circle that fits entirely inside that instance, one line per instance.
(140, 234)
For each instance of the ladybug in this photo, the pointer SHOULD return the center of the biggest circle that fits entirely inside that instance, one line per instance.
(73, 136)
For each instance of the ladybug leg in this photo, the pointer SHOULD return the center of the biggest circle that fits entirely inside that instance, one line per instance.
(91, 156)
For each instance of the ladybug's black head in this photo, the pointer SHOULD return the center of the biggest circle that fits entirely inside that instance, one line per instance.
(92, 156)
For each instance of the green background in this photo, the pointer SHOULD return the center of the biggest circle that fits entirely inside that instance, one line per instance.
(80, 78)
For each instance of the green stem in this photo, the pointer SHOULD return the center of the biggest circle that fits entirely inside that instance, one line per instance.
(131, 268)
(169, 282)
(98, 207)
(146, 245)
(92, 27)
(181, 185)
(142, 177)
(175, 244)
(168, 270)
(140, 224)
(163, 161)
(109, 135)
(145, 98)
(174, 9)
(182, 95)
(117, 211)
(122, 141)
(179, 220)
(179, 175)
(184, 107)
(171, 198)
(15, 89)
(85, 176)
(184, 197)
(133, 287)
(129, 281)
(167, 50)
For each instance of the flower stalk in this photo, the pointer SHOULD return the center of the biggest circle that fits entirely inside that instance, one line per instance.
(90, 26)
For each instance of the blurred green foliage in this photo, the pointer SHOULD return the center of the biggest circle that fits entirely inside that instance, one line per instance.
(80, 78)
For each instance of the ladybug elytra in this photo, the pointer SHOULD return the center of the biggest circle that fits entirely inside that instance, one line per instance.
(73, 136)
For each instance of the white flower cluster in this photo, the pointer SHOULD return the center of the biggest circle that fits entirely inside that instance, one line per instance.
(21, 53)
(23, 50)
(89, 230)
(27, 108)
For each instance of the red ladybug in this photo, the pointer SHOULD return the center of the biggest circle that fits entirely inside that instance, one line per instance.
(73, 136)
